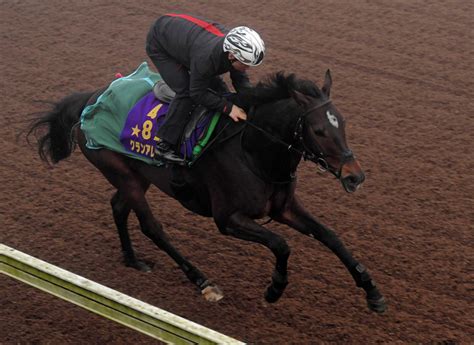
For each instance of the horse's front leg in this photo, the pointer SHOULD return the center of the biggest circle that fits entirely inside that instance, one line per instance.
(131, 190)
(154, 230)
(244, 228)
(296, 216)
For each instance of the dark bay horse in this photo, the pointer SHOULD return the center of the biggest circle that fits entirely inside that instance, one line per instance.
(249, 172)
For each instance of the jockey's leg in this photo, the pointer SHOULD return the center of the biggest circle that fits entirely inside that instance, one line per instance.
(176, 77)
(176, 119)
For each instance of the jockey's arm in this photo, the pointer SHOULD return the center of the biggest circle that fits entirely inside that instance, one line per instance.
(200, 94)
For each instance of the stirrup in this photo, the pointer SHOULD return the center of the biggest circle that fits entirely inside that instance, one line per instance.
(169, 156)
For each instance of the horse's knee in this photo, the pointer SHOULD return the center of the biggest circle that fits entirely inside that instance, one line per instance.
(153, 231)
(279, 246)
(224, 230)
(114, 199)
(118, 206)
(224, 225)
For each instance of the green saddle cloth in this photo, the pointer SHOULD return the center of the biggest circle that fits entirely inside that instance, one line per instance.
(103, 121)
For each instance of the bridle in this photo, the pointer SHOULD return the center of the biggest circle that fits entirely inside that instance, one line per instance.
(319, 157)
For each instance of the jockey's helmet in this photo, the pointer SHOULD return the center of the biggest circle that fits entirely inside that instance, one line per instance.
(246, 45)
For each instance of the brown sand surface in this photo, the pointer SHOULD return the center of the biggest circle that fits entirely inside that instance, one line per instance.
(403, 77)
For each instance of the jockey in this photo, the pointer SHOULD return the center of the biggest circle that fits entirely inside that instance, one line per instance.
(190, 54)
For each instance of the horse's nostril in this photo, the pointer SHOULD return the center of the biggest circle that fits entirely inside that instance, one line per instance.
(351, 179)
(354, 179)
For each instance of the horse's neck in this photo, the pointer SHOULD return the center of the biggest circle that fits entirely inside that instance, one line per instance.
(269, 150)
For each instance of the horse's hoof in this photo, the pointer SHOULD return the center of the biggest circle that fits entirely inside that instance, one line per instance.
(271, 296)
(139, 265)
(378, 305)
(212, 293)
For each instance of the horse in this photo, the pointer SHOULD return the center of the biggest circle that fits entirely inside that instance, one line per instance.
(247, 172)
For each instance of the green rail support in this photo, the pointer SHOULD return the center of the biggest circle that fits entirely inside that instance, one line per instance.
(109, 303)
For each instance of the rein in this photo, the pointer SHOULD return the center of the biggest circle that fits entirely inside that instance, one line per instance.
(318, 159)
(213, 141)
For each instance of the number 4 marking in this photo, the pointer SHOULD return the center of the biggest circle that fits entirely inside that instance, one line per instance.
(153, 112)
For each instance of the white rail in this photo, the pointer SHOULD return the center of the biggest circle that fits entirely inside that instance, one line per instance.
(131, 312)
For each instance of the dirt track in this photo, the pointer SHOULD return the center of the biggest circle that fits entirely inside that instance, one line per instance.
(403, 77)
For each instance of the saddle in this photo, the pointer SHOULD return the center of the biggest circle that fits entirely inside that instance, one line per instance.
(163, 92)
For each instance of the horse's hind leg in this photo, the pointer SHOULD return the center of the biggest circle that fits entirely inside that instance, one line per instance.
(131, 188)
(121, 211)
(296, 216)
(115, 170)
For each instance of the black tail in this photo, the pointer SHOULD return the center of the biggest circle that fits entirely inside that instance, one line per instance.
(56, 140)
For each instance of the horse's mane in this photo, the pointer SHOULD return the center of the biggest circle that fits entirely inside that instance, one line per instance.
(278, 86)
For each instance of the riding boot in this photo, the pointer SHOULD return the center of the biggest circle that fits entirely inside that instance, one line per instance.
(165, 152)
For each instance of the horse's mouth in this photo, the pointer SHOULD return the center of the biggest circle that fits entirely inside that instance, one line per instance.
(351, 183)
(350, 188)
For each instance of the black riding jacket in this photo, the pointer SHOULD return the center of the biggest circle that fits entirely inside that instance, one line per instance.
(197, 44)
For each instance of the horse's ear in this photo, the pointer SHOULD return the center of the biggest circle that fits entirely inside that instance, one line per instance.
(300, 98)
(327, 83)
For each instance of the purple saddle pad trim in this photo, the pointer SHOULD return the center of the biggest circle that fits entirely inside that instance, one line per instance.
(138, 135)
(198, 132)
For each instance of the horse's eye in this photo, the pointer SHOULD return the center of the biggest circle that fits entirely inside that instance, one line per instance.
(320, 133)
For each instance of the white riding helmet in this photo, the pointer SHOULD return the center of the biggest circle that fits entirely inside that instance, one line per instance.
(246, 45)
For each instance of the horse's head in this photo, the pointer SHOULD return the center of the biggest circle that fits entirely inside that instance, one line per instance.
(322, 128)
